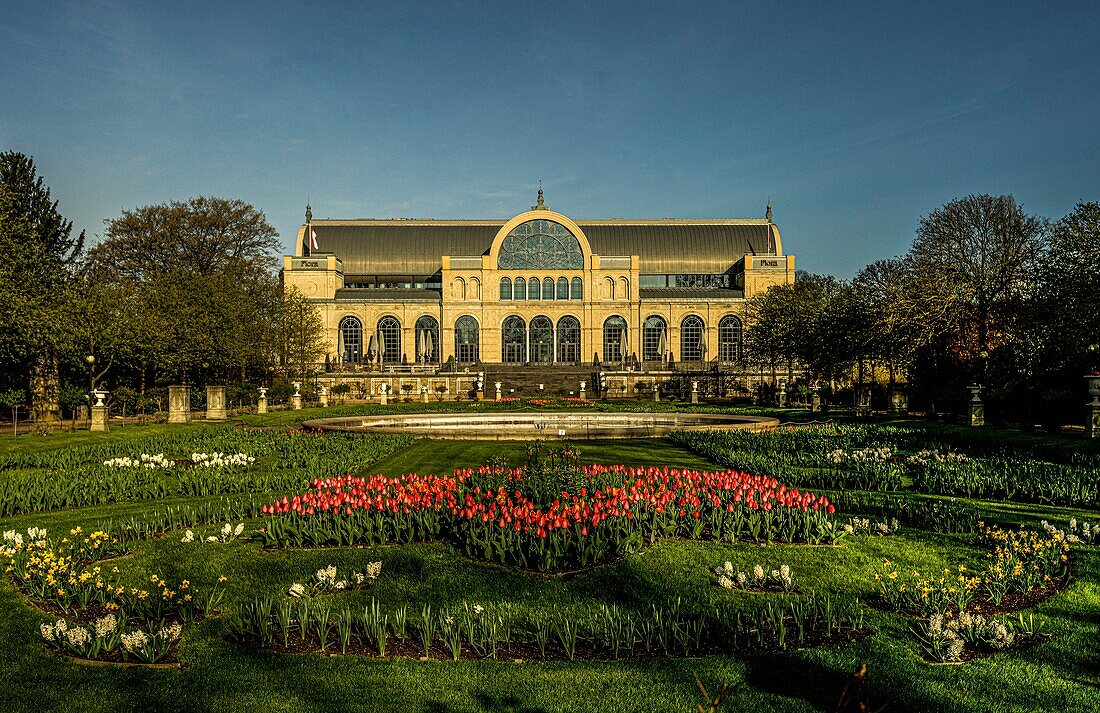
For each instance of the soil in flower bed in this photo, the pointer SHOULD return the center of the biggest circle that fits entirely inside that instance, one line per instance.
(527, 651)
(970, 655)
(114, 658)
(1010, 603)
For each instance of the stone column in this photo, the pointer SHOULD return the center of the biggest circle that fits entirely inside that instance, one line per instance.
(423, 394)
(1092, 427)
(581, 393)
(899, 401)
(782, 394)
(815, 400)
(215, 403)
(99, 412)
(179, 404)
(261, 403)
(497, 385)
(296, 399)
(977, 408)
(695, 392)
(863, 401)
(656, 392)
(323, 396)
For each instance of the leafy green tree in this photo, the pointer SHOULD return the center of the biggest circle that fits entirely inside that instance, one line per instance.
(39, 250)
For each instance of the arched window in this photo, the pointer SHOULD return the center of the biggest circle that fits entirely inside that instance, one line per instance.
(576, 289)
(548, 288)
(609, 288)
(692, 336)
(350, 337)
(540, 245)
(654, 339)
(427, 340)
(563, 288)
(513, 340)
(519, 289)
(542, 340)
(533, 288)
(624, 289)
(474, 289)
(389, 340)
(505, 288)
(569, 340)
(614, 339)
(729, 339)
(467, 341)
(458, 288)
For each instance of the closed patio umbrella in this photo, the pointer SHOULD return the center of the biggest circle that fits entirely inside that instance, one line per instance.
(381, 345)
(429, 345)
(372, 346)
(340, 346)
(702, 347)
(420, 346)
(622, 343)
(662, 345)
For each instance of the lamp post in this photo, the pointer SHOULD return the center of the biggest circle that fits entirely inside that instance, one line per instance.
(90, 359)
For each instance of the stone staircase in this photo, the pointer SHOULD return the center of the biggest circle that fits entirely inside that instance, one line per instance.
(523, 381)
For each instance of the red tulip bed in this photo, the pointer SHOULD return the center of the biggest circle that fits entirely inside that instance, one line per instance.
(550, 522)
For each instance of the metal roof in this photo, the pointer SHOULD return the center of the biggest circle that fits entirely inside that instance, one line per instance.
(656, 294)
(414, 247)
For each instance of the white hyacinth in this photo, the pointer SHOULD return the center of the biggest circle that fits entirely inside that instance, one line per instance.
(221, 460)
(758, 573)
(77, 636)
(135, 640)
(105, 626)
(188, 536)
(725, 582)
(297, 590)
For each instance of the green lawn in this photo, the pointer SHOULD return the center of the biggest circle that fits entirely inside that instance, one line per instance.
(1061, 674)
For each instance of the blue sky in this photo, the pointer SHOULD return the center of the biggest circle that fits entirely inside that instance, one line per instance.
(856, 119)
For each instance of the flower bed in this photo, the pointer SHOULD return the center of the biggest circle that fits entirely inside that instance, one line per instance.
(499, 631)
(550, 522)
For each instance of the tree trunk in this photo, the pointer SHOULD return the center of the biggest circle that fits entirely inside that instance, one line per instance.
(44, 386)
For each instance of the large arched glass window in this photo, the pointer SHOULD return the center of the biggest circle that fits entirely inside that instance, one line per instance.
(513, 340)
(350, 335)
(519, 289)
(729, 339)
(569, 340)
(548, 288)
(505, 288)
(576, 289)
(654, 339)
(533, 285)
(389, 340)
(467, 340)
(427, 340)
(541, 340)
(540, 245)
(692, 336)
(614, 339)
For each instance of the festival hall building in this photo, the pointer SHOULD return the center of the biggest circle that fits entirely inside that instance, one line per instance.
(538, 289)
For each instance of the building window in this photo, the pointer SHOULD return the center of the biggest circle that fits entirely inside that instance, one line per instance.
(576, 289)
(505, 288)
(519, 289)
(609, 288)
(533, 288)
(541, 340)
(614, 339)
(427, 340)
(467, 340)
(548, 288)
(569, 340)
(729, 339)
(540, 245)
(654, 339)
(692, 334)
(388, 344)
(513, 340)
(350, 335)
(563, 288)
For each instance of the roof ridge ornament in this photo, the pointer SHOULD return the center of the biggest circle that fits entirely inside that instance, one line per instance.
(540, 205)
(309, 212)
(768, 212)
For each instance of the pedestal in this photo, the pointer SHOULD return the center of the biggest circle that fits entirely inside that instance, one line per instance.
(215, 403)
(899, 402)
(1092, 428)
(815, 403)
(261, 403)
(322, 396)
(782, 397)
(863, 402)
(179, 404)
(580, 395)
(976, 407)
(296, 402)
(99, 419)
(424, 395)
